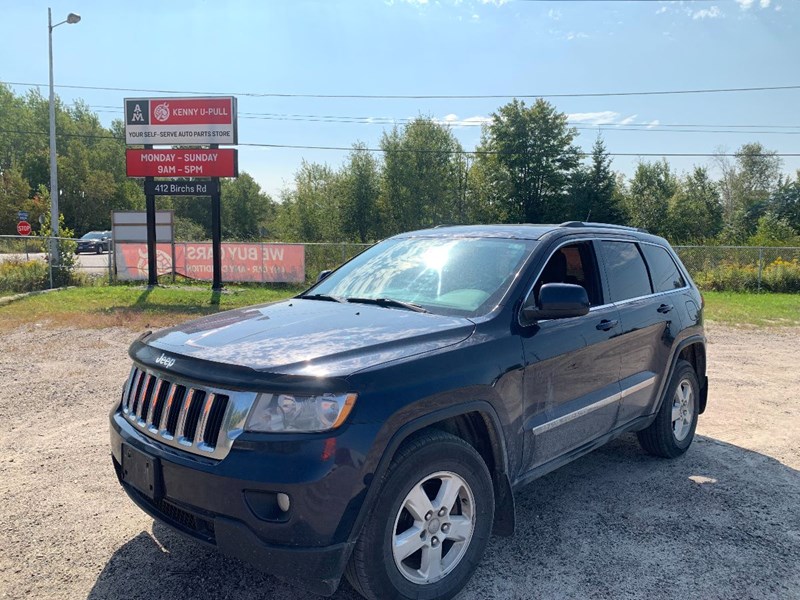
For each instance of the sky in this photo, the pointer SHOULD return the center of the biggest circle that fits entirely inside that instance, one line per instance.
(501, 48)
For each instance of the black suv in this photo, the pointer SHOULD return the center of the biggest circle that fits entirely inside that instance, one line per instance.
(378, 424)
(94, 241)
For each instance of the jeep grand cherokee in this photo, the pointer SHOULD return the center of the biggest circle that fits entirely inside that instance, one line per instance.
(379, 424)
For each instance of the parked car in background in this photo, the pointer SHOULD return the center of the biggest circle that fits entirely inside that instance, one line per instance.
(378, 425)
(94, 241)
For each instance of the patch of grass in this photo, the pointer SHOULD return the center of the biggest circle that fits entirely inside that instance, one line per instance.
(134, 307)
(137, 307)
(760, 310)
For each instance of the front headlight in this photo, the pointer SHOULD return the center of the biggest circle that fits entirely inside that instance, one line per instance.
(290, 413)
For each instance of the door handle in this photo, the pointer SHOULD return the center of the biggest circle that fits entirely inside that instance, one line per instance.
(664, 308)
(605, 324)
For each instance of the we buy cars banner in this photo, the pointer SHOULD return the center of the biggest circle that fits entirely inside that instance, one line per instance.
(181, 121)
(270, 263)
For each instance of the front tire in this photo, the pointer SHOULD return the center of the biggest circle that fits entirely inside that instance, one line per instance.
(430, 523)
(672, 432)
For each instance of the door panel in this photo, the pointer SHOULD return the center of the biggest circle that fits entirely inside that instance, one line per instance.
(646, 320)
(648, 335)
(571, 384)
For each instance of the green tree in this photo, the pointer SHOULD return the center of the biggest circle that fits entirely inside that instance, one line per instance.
(534, 150)
(310, 211)
(648, 195)
(593, 189)
(422, 183)
(746, 186)
(773, 230)
(785, 201)
(14, 192)
(695, 211)
(361, 217)
(247, 212)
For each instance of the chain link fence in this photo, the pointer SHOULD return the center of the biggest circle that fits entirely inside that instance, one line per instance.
(737, 268)
(743, 268)
(323, 256)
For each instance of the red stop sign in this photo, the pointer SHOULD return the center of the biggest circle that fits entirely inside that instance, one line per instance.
(24, 228)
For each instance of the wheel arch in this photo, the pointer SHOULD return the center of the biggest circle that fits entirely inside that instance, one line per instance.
(695, 354)
(693, 350)
(477, 423)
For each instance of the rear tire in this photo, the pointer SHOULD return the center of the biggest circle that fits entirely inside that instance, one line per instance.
(672, 432)
(429, 525)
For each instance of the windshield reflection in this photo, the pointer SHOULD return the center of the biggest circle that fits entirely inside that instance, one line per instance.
(459, 276)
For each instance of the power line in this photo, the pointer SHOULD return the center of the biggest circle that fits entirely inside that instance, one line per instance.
(422, 150)
(580, 125)
(421, 96)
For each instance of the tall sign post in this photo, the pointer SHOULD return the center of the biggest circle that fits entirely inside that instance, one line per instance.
(194, 122)
(150, 208)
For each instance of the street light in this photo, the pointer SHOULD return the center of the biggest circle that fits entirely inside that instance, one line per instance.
(71, 19)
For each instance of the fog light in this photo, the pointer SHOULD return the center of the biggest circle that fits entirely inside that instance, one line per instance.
(283, 502)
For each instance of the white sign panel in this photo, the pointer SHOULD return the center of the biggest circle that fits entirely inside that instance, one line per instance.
(181, 121)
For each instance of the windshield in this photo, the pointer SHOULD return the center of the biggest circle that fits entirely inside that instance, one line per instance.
(93, 235)
(457, 276)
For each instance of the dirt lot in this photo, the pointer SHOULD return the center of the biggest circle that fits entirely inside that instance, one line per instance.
(721, 522)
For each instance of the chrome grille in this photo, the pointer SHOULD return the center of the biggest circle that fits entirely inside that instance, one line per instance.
(197, 418)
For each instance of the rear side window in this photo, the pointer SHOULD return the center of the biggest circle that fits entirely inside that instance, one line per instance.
(627, 273)
(663, 270)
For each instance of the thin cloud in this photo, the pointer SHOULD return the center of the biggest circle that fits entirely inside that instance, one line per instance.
(745, 4)
(554, 14)
(709, 13)
(572, 35)
(605, 117)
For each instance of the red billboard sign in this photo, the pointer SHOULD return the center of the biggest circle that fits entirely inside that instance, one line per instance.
(182, 163)
(210, 120)
(268, 263)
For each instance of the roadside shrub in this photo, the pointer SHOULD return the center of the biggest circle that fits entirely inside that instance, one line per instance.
(777, 276)
(23, 276)
(781, 276)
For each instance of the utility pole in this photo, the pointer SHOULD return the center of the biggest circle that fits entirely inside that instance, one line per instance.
(71, 19)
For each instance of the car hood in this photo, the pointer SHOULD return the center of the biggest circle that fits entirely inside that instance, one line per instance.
(311, 337)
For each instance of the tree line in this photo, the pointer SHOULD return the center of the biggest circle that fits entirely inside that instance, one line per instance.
(527, 167)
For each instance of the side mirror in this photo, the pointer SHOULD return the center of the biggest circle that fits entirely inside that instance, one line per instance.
(323, 274)
(557, 301)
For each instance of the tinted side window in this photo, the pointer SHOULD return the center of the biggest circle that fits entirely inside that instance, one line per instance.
(574, 264)
(627, 273)
(663, 271)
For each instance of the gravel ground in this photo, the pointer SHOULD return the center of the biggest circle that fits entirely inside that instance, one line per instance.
(721, 522)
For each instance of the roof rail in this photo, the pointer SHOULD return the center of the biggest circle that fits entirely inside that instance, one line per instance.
(602, 225)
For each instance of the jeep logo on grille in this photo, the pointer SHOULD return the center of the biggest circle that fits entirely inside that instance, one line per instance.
(165, 361)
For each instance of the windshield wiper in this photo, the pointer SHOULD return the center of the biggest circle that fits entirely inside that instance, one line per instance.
(325, 297)
(390, 302)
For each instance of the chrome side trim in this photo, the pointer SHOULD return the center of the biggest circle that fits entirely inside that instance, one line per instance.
(637, 387)
(594, 406)
(575, 414)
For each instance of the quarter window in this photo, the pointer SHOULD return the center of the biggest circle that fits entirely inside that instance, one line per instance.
(663, 270)
(627, 273)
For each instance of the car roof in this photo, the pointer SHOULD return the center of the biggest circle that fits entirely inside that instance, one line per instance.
(523, 231)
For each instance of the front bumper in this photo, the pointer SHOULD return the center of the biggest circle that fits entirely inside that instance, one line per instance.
(229, 504)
